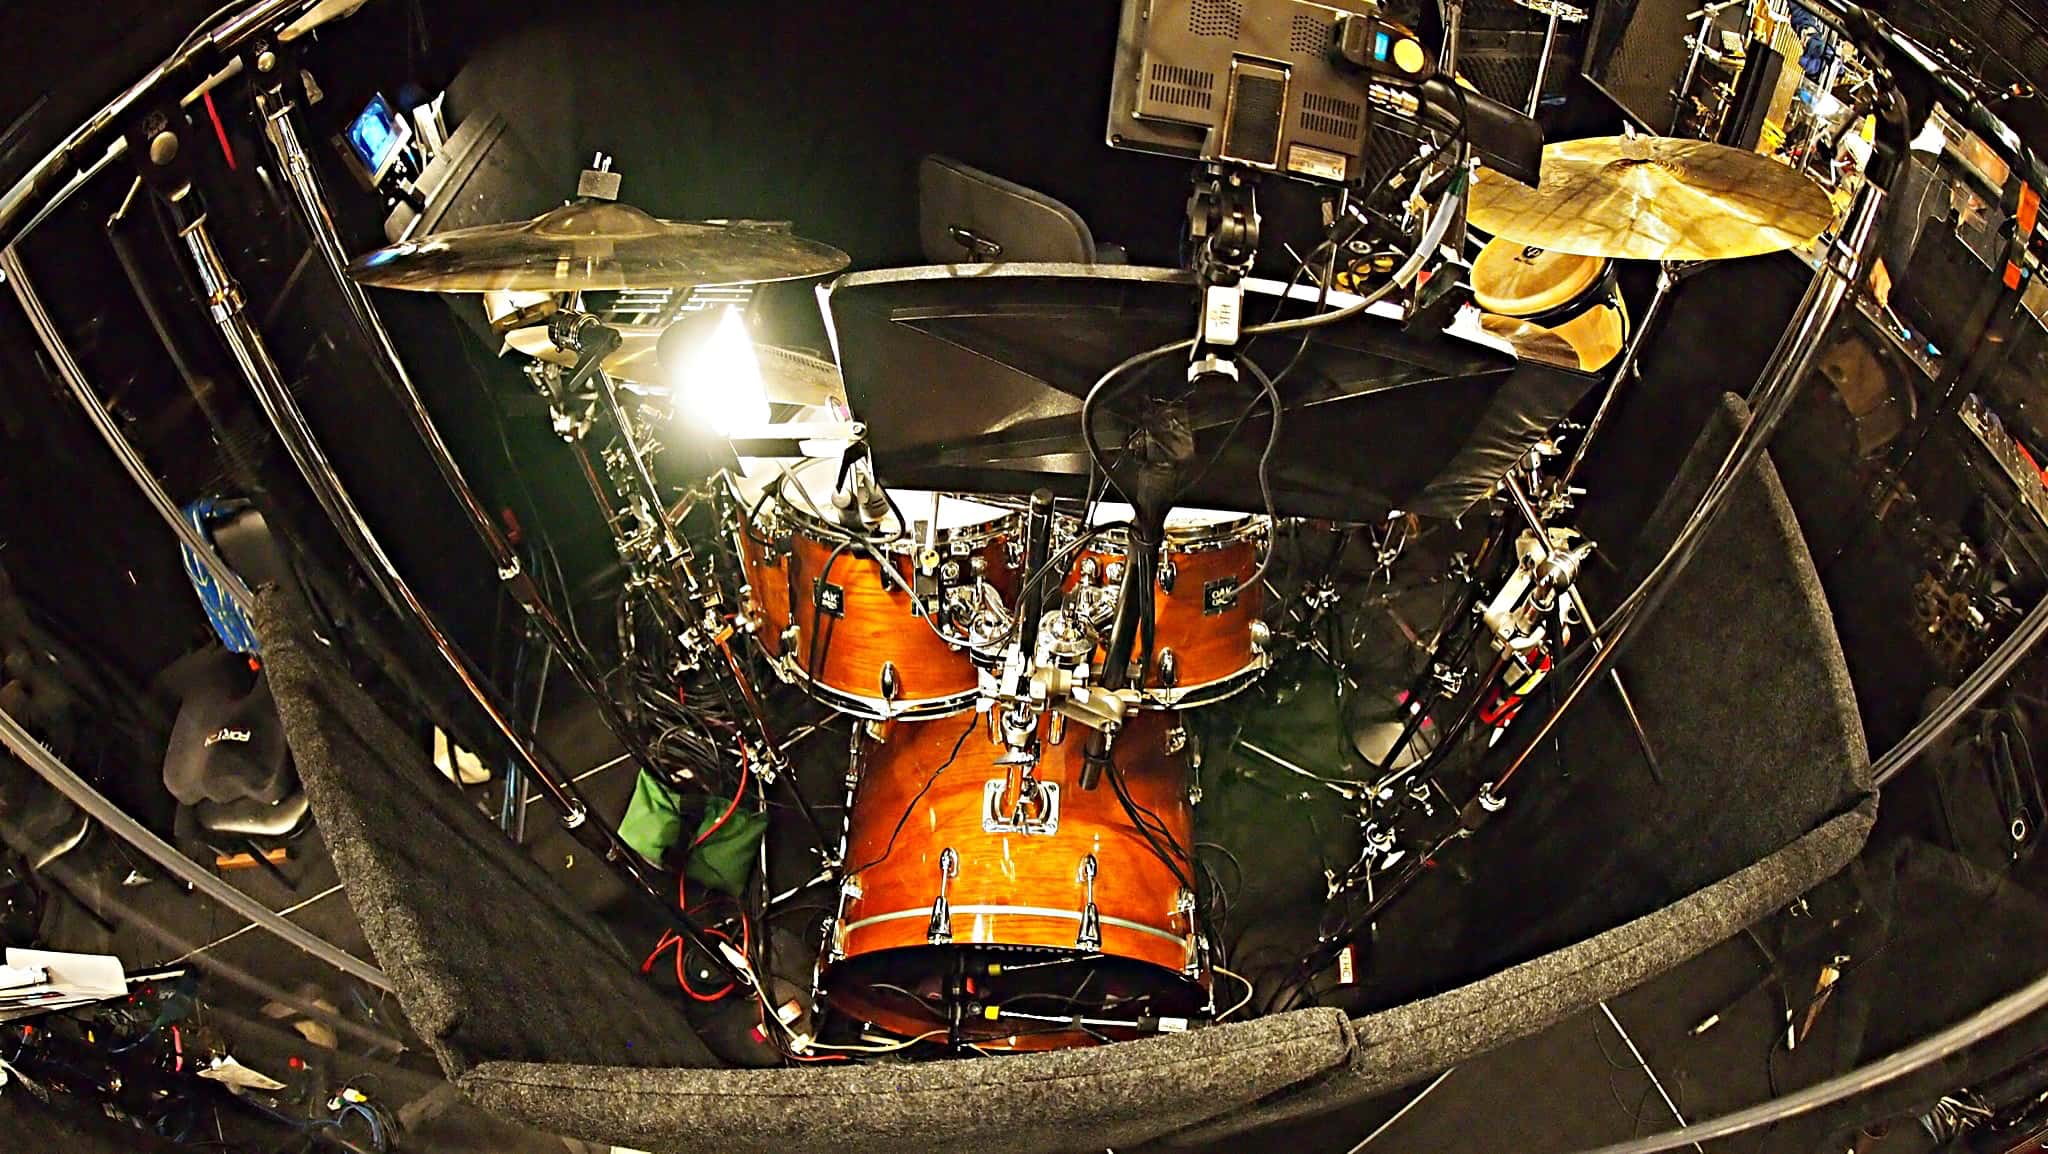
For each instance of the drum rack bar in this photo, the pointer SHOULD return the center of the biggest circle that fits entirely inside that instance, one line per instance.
(94, 803)
(16, 277)
(297, 169)
(267, 383)
(39, 183)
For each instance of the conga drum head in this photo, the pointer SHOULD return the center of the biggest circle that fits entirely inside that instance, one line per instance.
(1554, 308)
(1518, 280)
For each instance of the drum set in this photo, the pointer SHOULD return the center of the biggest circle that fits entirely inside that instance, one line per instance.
(1016, 868)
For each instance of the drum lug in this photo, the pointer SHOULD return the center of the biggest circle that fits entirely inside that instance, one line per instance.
(940, 931)
(1090, 937)
(1176, 738)
(891, 683)
(1169, 668)
(1055, 728)
(995, 819)
(1262, 637)
(1090, 570)
(1167, 572)
(1113, 573)
(1198, 957)
(790, 636)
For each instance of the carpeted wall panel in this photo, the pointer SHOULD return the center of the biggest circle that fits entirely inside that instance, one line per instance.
(1084, 1099)
(1764, 793)
(491, 958)
(1742, 688)
(1409, 1042)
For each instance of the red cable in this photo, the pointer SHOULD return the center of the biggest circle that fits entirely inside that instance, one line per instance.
(737, 795)
(220, 133)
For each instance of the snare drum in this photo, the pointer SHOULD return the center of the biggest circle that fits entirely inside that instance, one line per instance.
(954, 890)
(832, 621)
(1552, 306)
(1208, 640)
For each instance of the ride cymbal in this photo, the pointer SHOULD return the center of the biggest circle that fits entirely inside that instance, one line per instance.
(1654, 198)
(597, 246)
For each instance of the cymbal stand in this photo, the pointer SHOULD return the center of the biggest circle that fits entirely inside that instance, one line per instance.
(1692, 64)
(266, 382)
(1578, 605)
(1557, 13)
(1447, 64)
(1669, 274)
(695, 599)
(275, 107)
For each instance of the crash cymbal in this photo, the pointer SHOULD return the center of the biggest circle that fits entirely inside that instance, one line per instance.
(598, 246)
(1654, 198)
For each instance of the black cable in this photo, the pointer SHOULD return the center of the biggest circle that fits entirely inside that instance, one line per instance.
(1272, 394)
(973, 720)
(815, 668)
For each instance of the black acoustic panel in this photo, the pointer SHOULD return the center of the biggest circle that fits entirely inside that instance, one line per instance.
(972, 380)
(1636, 52)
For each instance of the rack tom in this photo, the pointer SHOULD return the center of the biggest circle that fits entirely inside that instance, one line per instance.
(1209, 640)
(832, 620)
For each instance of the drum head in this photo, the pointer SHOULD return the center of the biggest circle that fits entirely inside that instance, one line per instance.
(1183, 526)
(1519, 280)
(815, 477)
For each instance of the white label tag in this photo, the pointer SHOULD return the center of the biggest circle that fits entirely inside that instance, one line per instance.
(1347, 969)
(1221, 309)
(1173, 1025)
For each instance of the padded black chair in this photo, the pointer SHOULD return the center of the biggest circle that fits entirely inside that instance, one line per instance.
(967, 216)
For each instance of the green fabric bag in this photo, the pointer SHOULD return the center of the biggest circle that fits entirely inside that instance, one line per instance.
(654, 824)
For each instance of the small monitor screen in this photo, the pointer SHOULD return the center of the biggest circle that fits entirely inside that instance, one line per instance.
(376, 135)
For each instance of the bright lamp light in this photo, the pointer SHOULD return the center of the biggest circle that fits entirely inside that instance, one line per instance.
(714, 377)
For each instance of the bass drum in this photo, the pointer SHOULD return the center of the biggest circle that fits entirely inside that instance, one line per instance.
(832, 621)
(959, 896)
(1554, 307)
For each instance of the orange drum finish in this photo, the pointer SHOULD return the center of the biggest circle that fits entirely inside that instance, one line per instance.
(949, 882)
(1208, 643)
(834, 621)
(875, 657)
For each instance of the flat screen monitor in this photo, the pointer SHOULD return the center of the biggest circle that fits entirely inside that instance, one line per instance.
(376, 137)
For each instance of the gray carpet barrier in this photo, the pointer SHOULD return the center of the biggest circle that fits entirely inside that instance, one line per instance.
(1764, 792)
(492, 960)
(1110, 1096)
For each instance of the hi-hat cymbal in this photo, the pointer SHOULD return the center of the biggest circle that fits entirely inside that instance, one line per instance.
(597, 246)
(1654, 198)
(788, 377)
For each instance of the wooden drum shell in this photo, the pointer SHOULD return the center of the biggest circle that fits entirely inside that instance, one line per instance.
(876, 629)
(1214, 654)
(1012, 892)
